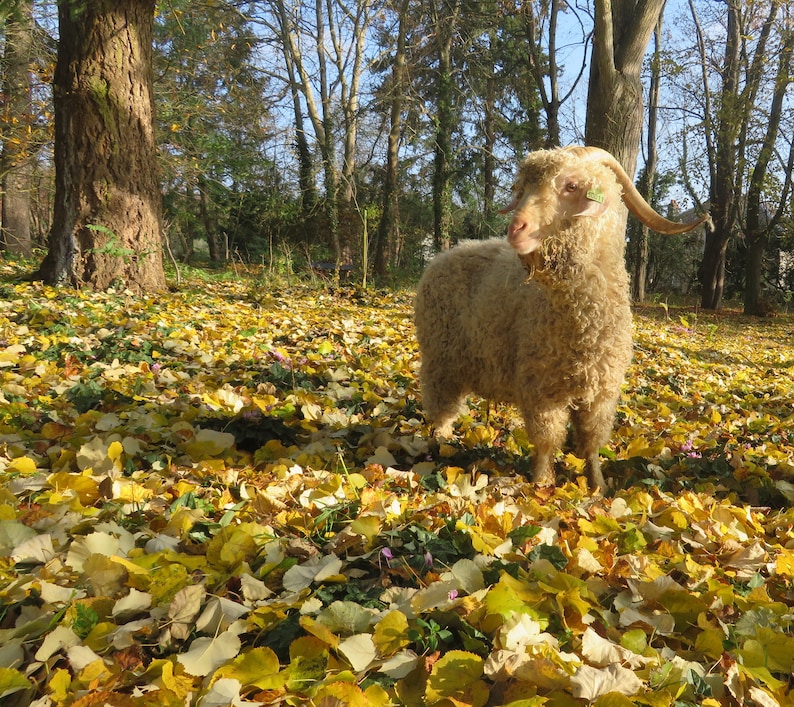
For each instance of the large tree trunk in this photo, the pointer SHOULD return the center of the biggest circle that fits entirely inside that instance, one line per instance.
(16, 158)
(108, 207)
(615, 111)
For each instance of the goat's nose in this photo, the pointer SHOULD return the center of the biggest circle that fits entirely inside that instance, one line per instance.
(516, 226)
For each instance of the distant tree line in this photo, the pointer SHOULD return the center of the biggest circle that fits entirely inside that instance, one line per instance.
(381, 131)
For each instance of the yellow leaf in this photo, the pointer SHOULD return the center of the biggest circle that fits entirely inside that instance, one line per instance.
(230, 547)
(173, 678)
(59, 684)
(710, 643)
(340, 693)
(258, 667)
(115, 449)
(130, 491)
(12, 681)
(391, 633)
(479, 435)
(377, 696)
(22, 465)
(613, 699)
(637, 447)
(672, 518)
(359, 650)
(368, 526)
(770, 649)
(447, 450)
(454, 673)
(319, 631)
(208, 444)
(784, 563)
(484, 542)
(129, 565)
(85, 487)
(10, 355)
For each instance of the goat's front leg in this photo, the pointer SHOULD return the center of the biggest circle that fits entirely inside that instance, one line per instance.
(546, 430)
(441, 396)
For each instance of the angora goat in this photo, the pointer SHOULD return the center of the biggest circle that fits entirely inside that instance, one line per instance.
(543, 319)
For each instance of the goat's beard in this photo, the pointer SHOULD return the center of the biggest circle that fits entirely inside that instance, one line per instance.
(556, 259)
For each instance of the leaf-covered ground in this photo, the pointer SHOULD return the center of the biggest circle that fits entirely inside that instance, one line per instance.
(228, 495)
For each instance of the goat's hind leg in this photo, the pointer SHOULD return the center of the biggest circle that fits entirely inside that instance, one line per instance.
(592, 426)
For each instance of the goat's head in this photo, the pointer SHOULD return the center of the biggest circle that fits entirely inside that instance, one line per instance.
(555, 188)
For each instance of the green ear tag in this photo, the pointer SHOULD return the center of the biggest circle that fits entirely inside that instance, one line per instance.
(595, 194)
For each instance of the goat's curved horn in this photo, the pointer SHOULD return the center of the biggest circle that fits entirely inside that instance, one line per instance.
(634, 200)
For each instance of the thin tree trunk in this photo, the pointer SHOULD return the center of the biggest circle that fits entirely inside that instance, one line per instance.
(390, 218)
(649, 176)
(722, 197)
(16, 157)
(444, 124)
(759, 222)
(543, 65)
(321, 118)
(489, 133)
(210, 222)
(308, 191)
(106, 228)
(327, 146)
(349, 82)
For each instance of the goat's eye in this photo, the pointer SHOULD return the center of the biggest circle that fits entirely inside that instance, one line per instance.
(571, 187)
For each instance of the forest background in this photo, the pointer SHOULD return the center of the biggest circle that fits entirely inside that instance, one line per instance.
(372, 134)
(219, 489)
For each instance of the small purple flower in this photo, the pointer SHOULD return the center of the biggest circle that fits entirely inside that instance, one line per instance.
(387, 554)
(688, 449)
(428, 559)
(156, 367)
(280, 358)
(453, 594)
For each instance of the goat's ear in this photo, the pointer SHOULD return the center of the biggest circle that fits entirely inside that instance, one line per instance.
(593, 202)
(510, 207)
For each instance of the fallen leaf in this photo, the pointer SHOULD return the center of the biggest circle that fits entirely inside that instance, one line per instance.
(206, 654)
(590, 683)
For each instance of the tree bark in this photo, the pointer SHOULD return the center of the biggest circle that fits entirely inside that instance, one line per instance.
(445, 24)
(649, 174)
(615, 109)
(489, 135)
(390, 216)
(16, 157)
(106, 230)
(209, 220)
(308, 190)
(723, 189)
(543, 64)
(759, 222)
